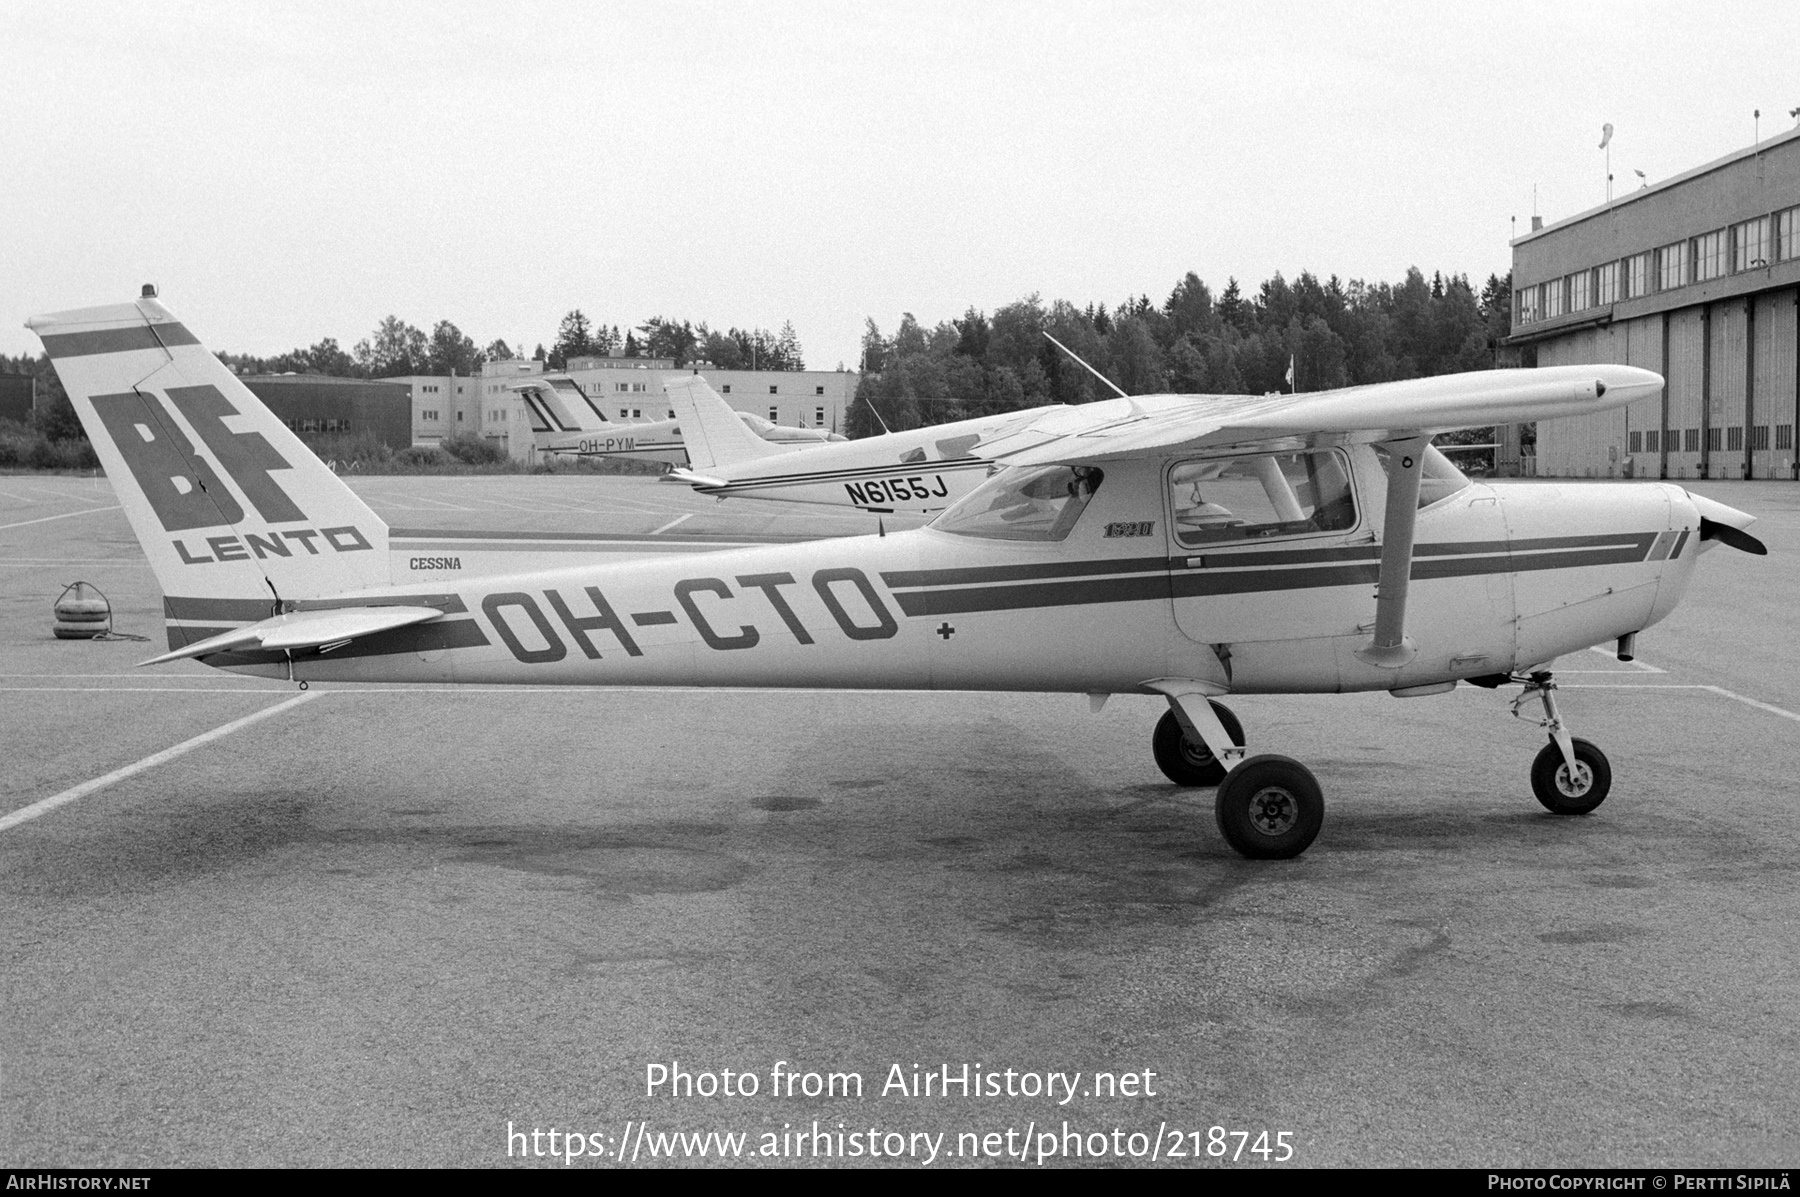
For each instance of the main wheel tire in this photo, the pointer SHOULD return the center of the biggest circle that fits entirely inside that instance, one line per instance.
(1563, 795)
(1270, 808)
(1185, 762)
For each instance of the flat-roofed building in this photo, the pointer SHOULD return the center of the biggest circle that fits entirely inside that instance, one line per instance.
(322, 404)
(1697, 278)
(630, 390)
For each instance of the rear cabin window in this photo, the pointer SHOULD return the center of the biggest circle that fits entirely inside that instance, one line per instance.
(1024, 503)
(1253, 498)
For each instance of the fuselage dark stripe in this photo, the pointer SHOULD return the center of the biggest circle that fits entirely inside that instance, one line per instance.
(1620, 547)
(898, 470)
(1203, 583)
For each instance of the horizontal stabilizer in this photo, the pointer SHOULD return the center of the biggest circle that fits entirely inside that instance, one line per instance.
(691, 478)
(303, 629)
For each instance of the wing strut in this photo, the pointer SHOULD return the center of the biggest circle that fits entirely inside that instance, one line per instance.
(1391, 647)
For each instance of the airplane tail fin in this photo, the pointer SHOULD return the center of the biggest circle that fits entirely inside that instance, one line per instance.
(560, 405)
(235, 513)
(713, 434)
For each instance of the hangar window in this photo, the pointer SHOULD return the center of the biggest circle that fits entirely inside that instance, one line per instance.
(1024, 503)
(1253, 498)
(818, 390)
(774, 390)
(1637, 443)
(1580, 292)
(1671, 266)
(1750, 244)
(727, 388)
(1784, 436)
(1709, 256)
(1551, 303)
(1651, 440)
(773, 417)
(1787, 235)
(819, 416)
(1606, 284)
(1638, 275)
(1759, 437)
(1690, 440)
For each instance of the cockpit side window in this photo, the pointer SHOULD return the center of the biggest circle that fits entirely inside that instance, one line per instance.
(1024, 503)
(1253, 498)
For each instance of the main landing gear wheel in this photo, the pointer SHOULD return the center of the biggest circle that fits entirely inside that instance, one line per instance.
(1562, 794)
(1270, 808)
(1190, 762)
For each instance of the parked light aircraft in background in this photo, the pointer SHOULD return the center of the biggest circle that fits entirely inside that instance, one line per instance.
(920, 470)
(647, 440)
(1191, 547)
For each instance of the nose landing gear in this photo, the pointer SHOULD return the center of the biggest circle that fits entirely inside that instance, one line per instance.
(1569, 776)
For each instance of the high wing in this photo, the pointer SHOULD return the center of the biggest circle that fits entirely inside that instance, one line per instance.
(1116, 428)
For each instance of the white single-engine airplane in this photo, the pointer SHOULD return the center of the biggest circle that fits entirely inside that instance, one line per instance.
(1186, 546)
(653, 440)
(921, 470)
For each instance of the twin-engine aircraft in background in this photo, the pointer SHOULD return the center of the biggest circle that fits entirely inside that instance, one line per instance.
(646, 440)
(1187, 546)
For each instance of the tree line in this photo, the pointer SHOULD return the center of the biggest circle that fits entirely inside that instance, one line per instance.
(397, 348)
(1331, 333)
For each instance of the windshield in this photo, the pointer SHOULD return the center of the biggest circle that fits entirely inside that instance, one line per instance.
(1438, 478)
(1024, 503)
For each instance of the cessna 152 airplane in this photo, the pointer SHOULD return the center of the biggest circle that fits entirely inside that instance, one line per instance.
(1187, 546)
(650, 440)
(920, 470)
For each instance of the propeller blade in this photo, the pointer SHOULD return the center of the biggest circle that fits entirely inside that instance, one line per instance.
(1736, 538)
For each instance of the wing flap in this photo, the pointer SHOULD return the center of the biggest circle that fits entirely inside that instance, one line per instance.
(304, 629)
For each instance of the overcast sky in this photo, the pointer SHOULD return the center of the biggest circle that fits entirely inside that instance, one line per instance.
(291, 172)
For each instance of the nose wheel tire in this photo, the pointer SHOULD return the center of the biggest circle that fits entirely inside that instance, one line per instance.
(1189, 762)
(1564, 794)
(1270, 808)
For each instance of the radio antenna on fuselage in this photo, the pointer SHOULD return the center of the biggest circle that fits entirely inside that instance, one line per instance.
(877, 415)
(1103, 378)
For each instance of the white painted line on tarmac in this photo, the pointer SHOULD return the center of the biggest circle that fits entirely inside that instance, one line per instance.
(680, 519)
(65, 515)
(45, 805)
(1721, 691)
(139, 690)
(1609, 654)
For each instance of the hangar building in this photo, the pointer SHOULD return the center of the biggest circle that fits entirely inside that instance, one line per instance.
(1697, 278)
